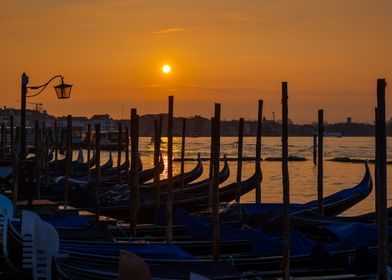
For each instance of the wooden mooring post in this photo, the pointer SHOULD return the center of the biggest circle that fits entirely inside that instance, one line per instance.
(157, 151)
(315, 149)
(37, 143)
(12, 139)
(182, 154)
(215, 191)
(381, 159)
(128, 171)
(47, 142)
(286, 185)
(320, 167)
(2, 141)
(15, 169)
(5, 139)
(88, 146)
(210, 174)
(258, 152)
(119, 150)
(56, 145)
(169, 205)
(98, 172)
(376, 170)
(68, 167)
(239, 156)
(134, 176)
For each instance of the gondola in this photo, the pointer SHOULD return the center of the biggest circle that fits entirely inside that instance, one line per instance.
(144, 175)
(78, 163)
(84, 166)
(91, 163)
(193, 188)
(200, 187)
(83, 197)
(61, 164)
(316, 260)
(318, 264)
(106, 167)
(268, 264)
(69, 268)
(333, 205)
(20, 247)
(311, 223)
(193, 203)
(148, 174)
(56, 184)
(80, 254)
(336, 202)
(108, 175)
(189, 177)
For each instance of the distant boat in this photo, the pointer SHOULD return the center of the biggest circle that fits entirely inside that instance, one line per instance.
(108, 140)
(333, 134)
(330, 134)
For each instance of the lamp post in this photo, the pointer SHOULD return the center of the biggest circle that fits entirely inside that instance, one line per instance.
(63, 91)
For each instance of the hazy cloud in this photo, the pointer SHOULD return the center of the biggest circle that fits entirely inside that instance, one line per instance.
(168, 30)
(226, 90)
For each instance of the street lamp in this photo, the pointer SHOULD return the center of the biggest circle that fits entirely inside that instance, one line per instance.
(63, 91)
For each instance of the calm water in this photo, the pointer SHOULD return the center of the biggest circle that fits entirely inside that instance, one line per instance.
(303, 175)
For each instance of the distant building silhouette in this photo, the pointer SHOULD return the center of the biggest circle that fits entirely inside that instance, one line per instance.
(197, 126)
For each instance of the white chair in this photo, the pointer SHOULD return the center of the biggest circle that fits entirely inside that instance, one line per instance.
(6, 213)
(46, 246)
(29, 219)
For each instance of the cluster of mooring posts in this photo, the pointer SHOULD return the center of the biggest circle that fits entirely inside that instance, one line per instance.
(31, 175)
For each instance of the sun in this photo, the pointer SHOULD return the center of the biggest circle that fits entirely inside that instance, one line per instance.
(166, 69)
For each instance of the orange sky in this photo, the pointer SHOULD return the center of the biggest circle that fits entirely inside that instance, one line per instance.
(232, 52)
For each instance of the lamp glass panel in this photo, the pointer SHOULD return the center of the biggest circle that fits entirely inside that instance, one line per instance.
(63, 91)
